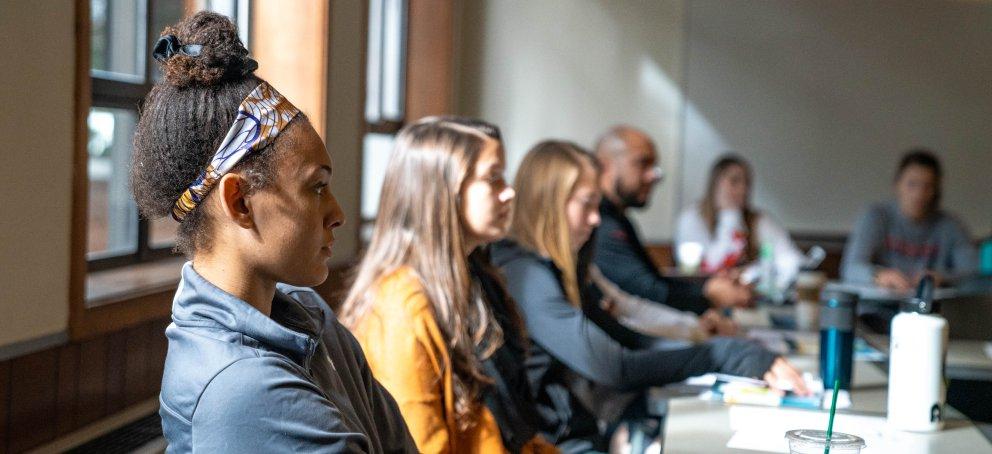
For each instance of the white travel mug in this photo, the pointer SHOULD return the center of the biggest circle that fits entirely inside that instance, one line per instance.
(917, 352)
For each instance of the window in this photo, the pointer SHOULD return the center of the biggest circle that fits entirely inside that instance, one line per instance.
(385, 90)
(122, 72)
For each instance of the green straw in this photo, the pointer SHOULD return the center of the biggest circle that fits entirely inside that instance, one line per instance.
(833, 409)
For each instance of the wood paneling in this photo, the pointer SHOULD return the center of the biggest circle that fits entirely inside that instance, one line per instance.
(91, 402)
(96, 321)
(158, 347)
(4, 403)
(33, 389)
(68, 389)
(136, 364)
(430, 59)
(53, 392)
(335, 287)
(663, 258)
(116, 349)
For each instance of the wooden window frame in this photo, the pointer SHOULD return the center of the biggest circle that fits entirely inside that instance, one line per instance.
(117, 94)
(429, 91)
(89, 322)
(126, 308)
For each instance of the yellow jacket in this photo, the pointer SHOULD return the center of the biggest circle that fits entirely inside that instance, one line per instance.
(408, 355)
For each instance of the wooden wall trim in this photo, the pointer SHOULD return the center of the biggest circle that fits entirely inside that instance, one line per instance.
(80, 179)
(32, 345)
(430, 59)
(290, 41)
(100, 320)
(4, 404)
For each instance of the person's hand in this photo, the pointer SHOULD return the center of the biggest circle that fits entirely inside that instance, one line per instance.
(784, 376)
(723, 291)
(610, 306)
(715, 323)
(893, 279)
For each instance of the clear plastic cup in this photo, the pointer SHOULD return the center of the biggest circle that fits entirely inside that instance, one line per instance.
(808, 441)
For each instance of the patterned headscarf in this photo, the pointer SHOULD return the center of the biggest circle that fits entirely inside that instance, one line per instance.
(261, 117)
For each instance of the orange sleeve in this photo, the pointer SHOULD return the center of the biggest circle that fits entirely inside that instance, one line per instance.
(406, 360)
(538, 445)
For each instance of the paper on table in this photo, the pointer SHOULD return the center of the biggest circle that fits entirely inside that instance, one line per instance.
(763, 429)
(752, 318)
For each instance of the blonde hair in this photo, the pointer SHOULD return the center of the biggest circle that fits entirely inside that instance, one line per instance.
(544, 183)
(419, 226)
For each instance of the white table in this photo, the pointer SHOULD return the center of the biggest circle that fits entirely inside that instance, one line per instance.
(696, 426)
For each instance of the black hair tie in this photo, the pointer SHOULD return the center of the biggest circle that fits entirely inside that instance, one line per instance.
(249, 67)
(169, 45)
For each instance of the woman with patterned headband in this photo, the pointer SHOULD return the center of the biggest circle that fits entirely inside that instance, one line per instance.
(257, 361)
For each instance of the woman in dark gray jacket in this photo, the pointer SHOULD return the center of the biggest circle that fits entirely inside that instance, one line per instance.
(556, 211)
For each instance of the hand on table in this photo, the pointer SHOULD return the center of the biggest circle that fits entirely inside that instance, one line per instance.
(715, 323)
(784, 376)
(893, 279)
(724, 290)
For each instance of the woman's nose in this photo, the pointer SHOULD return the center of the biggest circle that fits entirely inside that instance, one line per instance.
(335, 216)
(507, 194)
(594, 219)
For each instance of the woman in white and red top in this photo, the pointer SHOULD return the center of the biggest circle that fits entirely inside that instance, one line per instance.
(732, 233)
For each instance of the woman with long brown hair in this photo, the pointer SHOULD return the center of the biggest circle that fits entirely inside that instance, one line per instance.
(556, 210)
(730, 231)
(424, 305)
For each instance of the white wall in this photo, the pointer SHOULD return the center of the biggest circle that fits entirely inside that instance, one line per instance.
(36, 123)
(569, 70)
(823, 97)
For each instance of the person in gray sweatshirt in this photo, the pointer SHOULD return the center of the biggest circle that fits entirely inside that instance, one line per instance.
(895, 243)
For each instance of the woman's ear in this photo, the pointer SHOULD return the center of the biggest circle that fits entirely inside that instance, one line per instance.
(231, 190)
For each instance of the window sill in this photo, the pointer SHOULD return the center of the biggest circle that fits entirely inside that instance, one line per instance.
(130, 282)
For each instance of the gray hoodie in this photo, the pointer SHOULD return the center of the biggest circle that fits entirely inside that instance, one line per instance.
(237, 380)
(883, 237)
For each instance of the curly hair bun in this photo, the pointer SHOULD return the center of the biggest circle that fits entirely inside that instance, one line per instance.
(221, 57)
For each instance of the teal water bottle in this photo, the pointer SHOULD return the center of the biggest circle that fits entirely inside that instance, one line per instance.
(985, 257)
(838, 311)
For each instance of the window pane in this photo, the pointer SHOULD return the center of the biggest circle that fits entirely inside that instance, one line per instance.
(386, 61)
(117, 39)
(393, 59)
(162, 233)
(375, 156)
(113, 217)
(237, 10)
